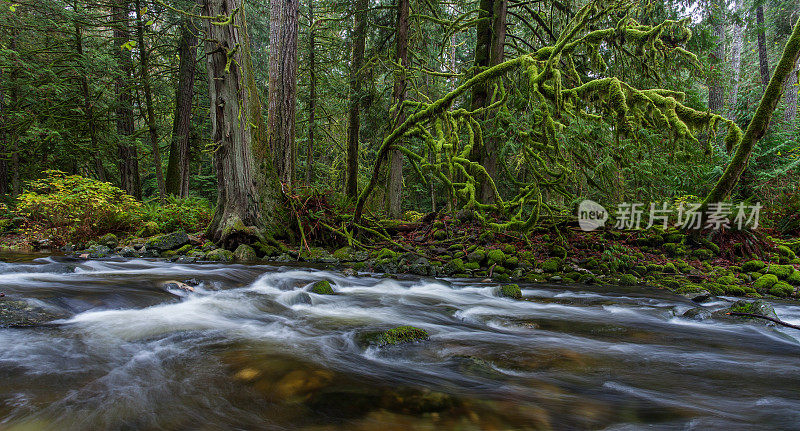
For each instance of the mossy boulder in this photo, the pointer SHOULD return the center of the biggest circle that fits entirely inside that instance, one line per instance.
(781, 271)
(765, 282)
(755, 307)
(98, 251)
(551, 265)
(495, 257)
(781, 289)
(109, 240)
(511, 291)
(669, 268)
(753, 266)
(322, 287)
(794, 278)
(169, 241)
(628, 280)
(245, 253)
(558, 251)
(654, 267)
(455, 266)
(148, 229)
(439, 234)
(727, 280)
(477, 256)
(184, 250)
(400, 335)
(786, 252)
(220, 255)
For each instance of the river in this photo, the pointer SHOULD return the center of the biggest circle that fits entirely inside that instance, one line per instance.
(251, 349)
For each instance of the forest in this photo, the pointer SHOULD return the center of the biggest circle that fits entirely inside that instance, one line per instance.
(399, 214)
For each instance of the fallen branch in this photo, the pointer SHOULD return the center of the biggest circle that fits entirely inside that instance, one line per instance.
(771, 319)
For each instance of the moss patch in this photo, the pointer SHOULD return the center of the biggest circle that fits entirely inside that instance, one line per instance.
(322, 287)
(511, 291)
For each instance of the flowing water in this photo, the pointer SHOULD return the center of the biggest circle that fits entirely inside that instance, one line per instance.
(250, 348)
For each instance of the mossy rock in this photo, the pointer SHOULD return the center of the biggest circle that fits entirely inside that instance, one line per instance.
(400, 335)
(455, 266)
(674, 250)
(654, 267)
(551, 265)
(512, 261)
(786, 252)
(794, 278)
(322, 287)
(669, 268)
(477, 256)
(753, 266)
(781, 271)
(184, 250)
(244, 253)
(109, 240)
(639, 270)
(439, 235)
(509, 249)
(472, 266)
(628, 280)
(558, 251)
(674, 238)
(727, 280)
(220, 255)
(703, 254)
(765, 282)
(148, 229)
(755, 307)
(495, 257)
(510, 291)
(501, 278)
(781, 289)
(170, 241)
(385, 253)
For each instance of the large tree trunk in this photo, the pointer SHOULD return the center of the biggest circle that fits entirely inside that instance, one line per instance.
(737, 44)
(88, 106)
(144, 63)
(400, 86)
(716, 88)
(235, 124)
(359, 38)
(123, 81)
(16, 184)
(283, 88)
(312, 94)
(177, 181)
(489, 51)
(791, 88)
(763, 60)
(758, 125)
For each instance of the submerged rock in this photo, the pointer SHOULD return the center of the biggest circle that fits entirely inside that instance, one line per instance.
(511, 291)
(755, 307)
(399, 335)
(18, 314)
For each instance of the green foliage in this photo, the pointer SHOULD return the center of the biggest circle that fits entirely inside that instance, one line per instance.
(190, 214)
(73, 207)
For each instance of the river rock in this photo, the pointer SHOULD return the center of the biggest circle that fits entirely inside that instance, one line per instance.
(245, 253)
(697, 313)
(17, 314)
(168, 241)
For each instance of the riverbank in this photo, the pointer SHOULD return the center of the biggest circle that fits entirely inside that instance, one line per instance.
(734, 264)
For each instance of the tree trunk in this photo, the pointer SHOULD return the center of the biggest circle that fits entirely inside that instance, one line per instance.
(359, 38)
(716, 88)
(312, 94)
(16, 185)
(399, 96)
(148, 99)
(123, 81)
(88, 106)
(791, 88)
(235, 125)
(763, 60)
(283, 88)
(737, 40)
(177, 181)
(758, 125)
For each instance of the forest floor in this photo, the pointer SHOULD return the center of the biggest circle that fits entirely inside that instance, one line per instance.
(731, 263)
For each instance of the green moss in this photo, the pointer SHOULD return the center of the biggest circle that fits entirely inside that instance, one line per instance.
(512, 262)
(244, 253)
(755, 307)
(786, 252)
(495, 257)
(109, 240)
(669, 268)
(439, 235)
(220, 255)
(509, 249)
(781, 289)
(654, 267)
(674, 238)
(753, 266)
(558, 251)
(781, 271)
(727, 280)
(703, 254)
(477, 256)
(472, 266)
(551, 265)
(322, 287)
(455, 266)
(794, 278)
(402, 334)
(184, 250)
(628, 280)
(385, 253)
(148, 229)
(765, 282)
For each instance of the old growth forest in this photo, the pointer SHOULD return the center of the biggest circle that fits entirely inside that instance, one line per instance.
(500, 196)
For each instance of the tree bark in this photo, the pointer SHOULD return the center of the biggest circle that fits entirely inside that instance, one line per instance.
(758, 125)
(763, 60)
(359, 38)
(791, 87)
(399, 96)
(312, 94)
(177, 181)
(283, 88)
(123, 81)
(88, 105)
(144, 63)
(716, 89)
(235, 124)
(737, 45)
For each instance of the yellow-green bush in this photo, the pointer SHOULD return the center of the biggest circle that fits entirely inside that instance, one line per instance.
(73, 207)
(187, 214)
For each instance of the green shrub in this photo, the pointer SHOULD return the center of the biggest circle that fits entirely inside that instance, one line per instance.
(188, 214)
(72, 207)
